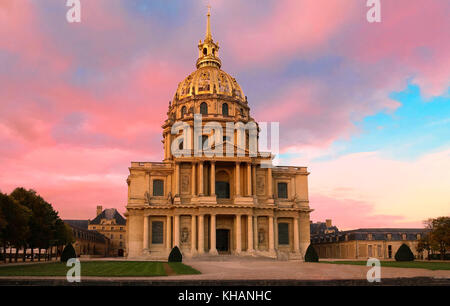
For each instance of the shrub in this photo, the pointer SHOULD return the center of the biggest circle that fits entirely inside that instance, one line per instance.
(311, 255)
(175, 255)
(404, 253)
(68, 252)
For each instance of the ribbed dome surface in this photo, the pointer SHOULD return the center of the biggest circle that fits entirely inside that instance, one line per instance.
(209, 80)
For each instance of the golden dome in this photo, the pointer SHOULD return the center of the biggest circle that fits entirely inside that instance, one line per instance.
(209, 80)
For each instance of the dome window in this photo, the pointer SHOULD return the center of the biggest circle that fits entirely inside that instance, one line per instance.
(225, 109)
(205, 51)
(204, 108)
(183, 111)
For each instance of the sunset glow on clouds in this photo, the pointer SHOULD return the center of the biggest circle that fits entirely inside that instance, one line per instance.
(364, 106)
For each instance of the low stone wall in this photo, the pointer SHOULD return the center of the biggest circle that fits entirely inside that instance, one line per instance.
(415, 281)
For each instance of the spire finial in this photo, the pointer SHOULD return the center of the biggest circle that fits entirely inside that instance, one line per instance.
(208, 25)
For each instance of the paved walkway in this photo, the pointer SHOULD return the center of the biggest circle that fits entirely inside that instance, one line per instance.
(230, 268)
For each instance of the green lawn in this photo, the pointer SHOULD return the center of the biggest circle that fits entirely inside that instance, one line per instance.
(181, 268)
(97, 268)
(399, 264)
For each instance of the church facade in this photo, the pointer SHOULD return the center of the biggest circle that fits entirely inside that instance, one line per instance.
(215, 204)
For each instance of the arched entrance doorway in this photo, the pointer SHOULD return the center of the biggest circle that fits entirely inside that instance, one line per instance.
(222, 185)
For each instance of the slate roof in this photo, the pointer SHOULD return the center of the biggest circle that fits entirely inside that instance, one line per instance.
(320, 228)
(82, 224)
(78, 226)
(109, 214)
(362, 234)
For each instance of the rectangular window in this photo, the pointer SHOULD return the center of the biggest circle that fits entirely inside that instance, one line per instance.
(370, 251)
(157, 232)
(283, 233)
(379, 250)
(158, 188)
(282, 191)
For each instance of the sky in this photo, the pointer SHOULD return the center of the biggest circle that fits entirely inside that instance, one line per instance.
(365, 106)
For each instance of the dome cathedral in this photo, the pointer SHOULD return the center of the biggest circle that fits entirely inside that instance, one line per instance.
(209, 78)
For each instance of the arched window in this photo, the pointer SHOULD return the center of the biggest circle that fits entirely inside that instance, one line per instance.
(158, 188)
(183, 111)
(225, 109)
(204, 108)
(205, 51)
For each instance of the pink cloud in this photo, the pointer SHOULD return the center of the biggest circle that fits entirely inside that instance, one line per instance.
(349, 214)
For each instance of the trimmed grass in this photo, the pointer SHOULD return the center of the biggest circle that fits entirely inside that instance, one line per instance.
(182, 269)
(429, 265)
(97, 268)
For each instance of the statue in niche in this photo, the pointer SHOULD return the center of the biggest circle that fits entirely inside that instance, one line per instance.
(185, 183)
(260, 184)
(147, 197)
(184, 234)
(261, 236)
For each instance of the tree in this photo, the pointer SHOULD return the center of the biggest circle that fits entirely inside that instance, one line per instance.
(175, 255)
(404, 253)
(16, 230)
(43, 223)
(424, 244)
(63, 234)
(311, 254)
(439, 231)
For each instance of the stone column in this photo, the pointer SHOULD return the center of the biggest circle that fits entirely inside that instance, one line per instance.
(249, 179)
(213, 179)
(177, 179)
(238, 234)
(193, 234)
(176, 229)
(275, 231)
(271, 235)
(200, 183)
(193, 179)
(169, 233)
(146, 221)
(254, 179)
(255, 233)
(250, 233)
(237, 180)
(201, 234)
(269, 183)
(293, 191)
(296, 238)
(213, 250)
(169, 145)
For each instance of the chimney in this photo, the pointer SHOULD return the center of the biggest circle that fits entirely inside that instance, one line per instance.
(328, 222)
(99, 209)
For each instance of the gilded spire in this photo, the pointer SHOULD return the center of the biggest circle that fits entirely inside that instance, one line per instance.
(208, 49)
(208, 36)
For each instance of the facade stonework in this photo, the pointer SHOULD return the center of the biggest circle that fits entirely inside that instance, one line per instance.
(381, 243)
(111, 224)
(215, 204)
